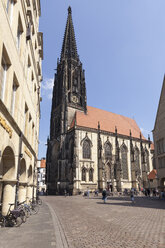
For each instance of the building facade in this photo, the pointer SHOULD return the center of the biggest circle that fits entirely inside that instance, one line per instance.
(159, 140)
(41, 167)
(21, 53)
(90, 148)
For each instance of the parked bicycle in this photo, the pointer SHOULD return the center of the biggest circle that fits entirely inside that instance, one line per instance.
(34, 208)
(2, 218)
(13, 217)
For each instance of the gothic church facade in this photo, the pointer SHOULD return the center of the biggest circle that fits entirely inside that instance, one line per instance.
(90, 148)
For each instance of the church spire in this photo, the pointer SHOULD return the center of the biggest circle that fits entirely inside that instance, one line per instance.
(69, 48)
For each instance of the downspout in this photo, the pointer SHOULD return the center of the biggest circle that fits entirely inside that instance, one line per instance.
(18, 168)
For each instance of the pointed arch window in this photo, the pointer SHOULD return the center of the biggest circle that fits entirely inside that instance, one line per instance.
(108, 150)
(71, 150)
(124, 161)
(91, 174)
(86, 149)
(137, 162)
(147, 160)
(84, 174)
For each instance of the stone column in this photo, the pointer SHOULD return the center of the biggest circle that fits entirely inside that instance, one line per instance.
(8, 195)
(22, 192)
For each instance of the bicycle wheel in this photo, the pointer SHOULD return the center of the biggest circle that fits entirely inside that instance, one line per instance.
(23, 216)
(39, 201)
(2, 221)
(17, 221)
(34, 209)
(27, 212)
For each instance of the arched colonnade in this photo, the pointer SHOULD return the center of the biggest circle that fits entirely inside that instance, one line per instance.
(8, 179)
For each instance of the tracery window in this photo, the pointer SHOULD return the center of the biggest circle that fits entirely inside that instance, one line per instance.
(137, 163)
(91, 174)
(147, 160)
(83, 174)
(71, 150)
(86, 149)
(108, 153)
(124, 161)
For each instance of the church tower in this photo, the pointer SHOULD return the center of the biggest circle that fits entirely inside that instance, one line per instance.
(69, 92)
(69, 95)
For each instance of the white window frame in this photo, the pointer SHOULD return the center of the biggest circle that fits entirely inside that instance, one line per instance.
(14, 89)
(5, 67)
(9, 9)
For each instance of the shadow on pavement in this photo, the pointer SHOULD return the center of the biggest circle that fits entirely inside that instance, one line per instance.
(139, 202)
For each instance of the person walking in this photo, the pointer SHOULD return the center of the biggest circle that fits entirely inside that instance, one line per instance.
(132, 196)
(104, 194)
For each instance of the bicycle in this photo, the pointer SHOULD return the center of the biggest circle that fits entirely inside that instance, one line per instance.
(34, 208)
(24, 211)
(2, 218)
(13, 217)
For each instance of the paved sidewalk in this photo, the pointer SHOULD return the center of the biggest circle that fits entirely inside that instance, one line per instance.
(79, 222)
(38, 231)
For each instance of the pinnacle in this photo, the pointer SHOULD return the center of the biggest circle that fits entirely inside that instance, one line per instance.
(69, 10)
(69, 48)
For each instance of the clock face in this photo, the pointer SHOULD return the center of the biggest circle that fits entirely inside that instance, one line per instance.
(74, 99)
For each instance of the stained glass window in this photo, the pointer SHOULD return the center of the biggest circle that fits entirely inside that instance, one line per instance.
(108, 151)
(83, 174)
(124, 161)
(91, 174)
(137, 164)
(147, 160)
(86, 149)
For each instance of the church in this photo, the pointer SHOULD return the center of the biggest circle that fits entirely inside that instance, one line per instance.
(89, 148)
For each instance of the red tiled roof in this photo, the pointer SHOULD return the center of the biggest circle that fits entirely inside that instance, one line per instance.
(43, 163)
(152, 146)
(108, 121)
(152, 174)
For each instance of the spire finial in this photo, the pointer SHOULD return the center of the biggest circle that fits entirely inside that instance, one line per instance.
(69, 10)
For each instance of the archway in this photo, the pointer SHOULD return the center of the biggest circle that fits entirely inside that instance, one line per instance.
(109, 176)
(23, 171)
(22, 181)
(29, 193)
(8, 175)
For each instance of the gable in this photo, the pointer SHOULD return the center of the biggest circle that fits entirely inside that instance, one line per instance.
(160, 116)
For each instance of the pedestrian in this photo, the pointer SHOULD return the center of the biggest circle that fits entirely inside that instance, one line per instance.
(132, 196)
(88, 192)
(96, 192)
(65, 192)
(104, 194)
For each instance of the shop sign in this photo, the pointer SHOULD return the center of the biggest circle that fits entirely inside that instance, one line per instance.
(28, 153)
(5, 126)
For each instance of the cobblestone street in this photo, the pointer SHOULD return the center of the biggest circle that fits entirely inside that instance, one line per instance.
(79, 222)
(87, 222)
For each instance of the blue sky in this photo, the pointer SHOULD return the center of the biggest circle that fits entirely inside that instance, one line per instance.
(121, 44)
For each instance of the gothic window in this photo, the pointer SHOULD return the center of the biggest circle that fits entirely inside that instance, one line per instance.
(71, 150)
(137, 164)
(147, 160)
(84, 174)
(91, 174)
(108, 150)
(124, 161)
(86, 149)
